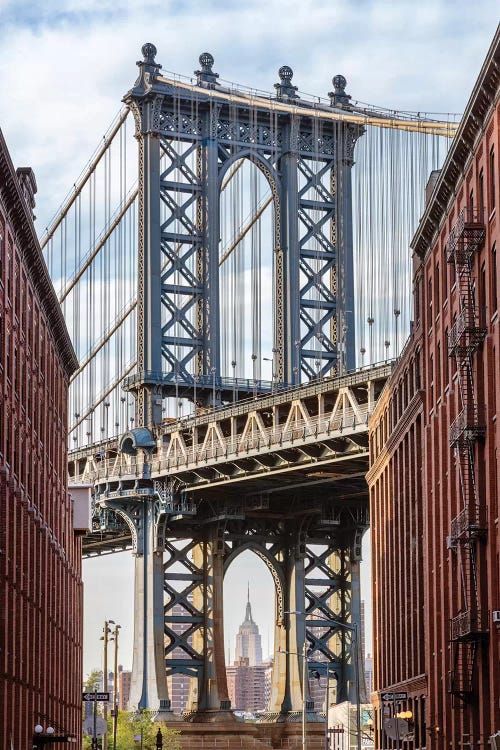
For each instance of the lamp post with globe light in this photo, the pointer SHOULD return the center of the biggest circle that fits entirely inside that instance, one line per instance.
(356, 643)
(43, 737)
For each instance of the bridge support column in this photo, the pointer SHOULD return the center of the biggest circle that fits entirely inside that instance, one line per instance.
(290, 633)
(209, 640)
(342, 186)
(149, 684)
(209, 253)
(290, 241)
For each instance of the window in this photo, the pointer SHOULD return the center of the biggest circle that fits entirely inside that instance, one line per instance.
(494, 282)
(446, 368)
(431, 381)
(471, 205)
(436, 288)
(444, 282)
(481, 191)
(492, 180)
(438, 370)
(416, 294)
(8, 276)
(482, 299)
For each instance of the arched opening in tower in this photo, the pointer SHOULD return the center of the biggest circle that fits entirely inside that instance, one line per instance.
(249, 620)
(247, 280)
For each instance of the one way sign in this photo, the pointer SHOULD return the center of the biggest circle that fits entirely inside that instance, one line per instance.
(95, 697)
(394, 696)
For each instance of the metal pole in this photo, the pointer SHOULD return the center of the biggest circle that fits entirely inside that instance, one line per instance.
(396, 722)
(115, 689)
(105, 684)
(358, 692)
(94, 736)
(304, 674)
(327, 703)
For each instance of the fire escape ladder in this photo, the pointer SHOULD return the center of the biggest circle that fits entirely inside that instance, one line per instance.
(468, 627)
(460, 676)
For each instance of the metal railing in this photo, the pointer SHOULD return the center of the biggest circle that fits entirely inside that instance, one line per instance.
(467, 625)
(467, 235)
(203, 381)
(468, 425)
(124, 465)
(467, 523)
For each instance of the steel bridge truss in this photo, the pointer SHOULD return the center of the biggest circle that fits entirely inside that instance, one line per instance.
(188, 145)
(280, 475)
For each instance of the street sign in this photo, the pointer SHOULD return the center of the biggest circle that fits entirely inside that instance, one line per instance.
(95, 697)
(396, 729)
(100, 726)
(394, 696)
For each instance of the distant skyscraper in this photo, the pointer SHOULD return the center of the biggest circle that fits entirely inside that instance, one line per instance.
(247, 685)
(124, 679)
(369, 676)
(248, 640)
(179, 684)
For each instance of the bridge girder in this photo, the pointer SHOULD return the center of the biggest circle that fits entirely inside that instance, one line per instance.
(282, 475)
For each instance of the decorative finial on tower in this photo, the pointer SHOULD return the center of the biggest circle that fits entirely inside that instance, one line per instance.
(248, 592)
(148, 67)
(285, 89)
(338, 97)
(206, 77)
(149, 51)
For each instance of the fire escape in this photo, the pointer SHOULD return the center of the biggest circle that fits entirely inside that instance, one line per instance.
(468, 627)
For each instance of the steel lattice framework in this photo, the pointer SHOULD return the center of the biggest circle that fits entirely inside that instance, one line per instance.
(280, 470)
(188, 142)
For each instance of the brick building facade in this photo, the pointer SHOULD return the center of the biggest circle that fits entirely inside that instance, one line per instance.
(434, 447)
(246, 685)
(40, 556)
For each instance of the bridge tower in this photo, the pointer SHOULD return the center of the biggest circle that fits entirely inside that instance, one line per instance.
(192, 137)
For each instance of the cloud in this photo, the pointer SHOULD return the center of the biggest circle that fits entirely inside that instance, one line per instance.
(65, 65)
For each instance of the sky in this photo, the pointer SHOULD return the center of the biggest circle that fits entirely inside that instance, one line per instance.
(66, 64)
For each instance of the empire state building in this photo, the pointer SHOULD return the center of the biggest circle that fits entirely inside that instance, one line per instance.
(248, 643)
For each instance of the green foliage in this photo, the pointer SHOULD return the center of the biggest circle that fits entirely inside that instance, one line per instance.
(131, 725)
(94, 681)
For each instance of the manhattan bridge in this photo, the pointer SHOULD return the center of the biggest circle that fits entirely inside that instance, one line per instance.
(236, 280)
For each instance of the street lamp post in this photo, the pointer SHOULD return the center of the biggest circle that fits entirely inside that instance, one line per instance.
(233, 365)
(268, 359)
(303, 656)
(304, 704)
(40, 737)
(45, 737)
(115, 686)
(354, 631)
(213, 371)
(105, 638)
(254, 374)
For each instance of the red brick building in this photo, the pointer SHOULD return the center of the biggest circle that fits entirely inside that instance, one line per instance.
(40, 556)
(124, 682)
(435, 455)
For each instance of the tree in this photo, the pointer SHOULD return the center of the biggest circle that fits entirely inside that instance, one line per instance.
(94, 681)
(92, 684)
(139, 724)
